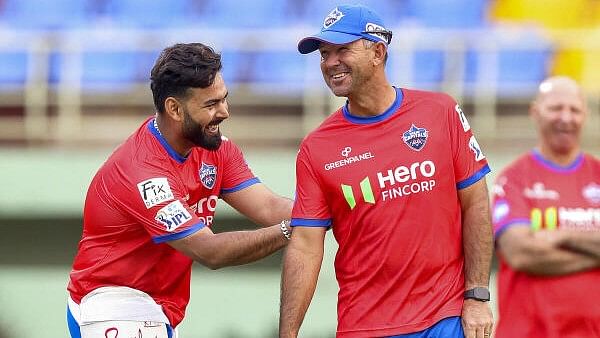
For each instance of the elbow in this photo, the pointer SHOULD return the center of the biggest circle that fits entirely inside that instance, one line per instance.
(213, 263)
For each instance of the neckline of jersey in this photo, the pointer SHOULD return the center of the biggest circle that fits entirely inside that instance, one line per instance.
(538, 157)
(377, 118)
(174, 155)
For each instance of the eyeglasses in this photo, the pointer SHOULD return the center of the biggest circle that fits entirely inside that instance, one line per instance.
(385, 34)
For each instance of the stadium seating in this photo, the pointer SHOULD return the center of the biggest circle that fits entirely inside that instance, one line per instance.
(14, 68)
(45, 14)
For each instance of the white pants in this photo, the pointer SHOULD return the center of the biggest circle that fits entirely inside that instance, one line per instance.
(124, 329)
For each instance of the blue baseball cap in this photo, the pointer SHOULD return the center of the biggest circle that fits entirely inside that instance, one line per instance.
(345, 24)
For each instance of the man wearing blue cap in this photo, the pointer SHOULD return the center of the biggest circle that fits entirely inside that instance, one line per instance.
(399, 177)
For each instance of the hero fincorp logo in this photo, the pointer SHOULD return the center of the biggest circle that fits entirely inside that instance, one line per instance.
(348, 158)
(155, 191)
(395, 183)
(173, 215)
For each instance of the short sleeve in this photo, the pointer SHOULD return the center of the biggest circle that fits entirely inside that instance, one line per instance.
(470, 164)
(310, 205)
(509, 205)
(157, 202)
(236, 173)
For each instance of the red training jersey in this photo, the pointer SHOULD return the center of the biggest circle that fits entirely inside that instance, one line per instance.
(387, 186)
(143, 196)
(537, 193)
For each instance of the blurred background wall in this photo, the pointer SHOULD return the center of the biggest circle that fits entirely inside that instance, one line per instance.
(74, 83)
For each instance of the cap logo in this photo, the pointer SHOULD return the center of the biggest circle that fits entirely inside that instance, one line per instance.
(376, 31)
(332, 18)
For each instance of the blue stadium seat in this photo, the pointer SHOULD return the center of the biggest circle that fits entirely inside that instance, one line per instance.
(314, 11)
(108, 71)
(243, 14)
(448, 13)
(149, 14)
(14, 67)
(523, 61)
(46, 14)
(426, 69)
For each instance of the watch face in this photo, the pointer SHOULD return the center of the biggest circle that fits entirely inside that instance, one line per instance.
(482, 293)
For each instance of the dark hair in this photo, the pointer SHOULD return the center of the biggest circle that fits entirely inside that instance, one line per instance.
(180, 67)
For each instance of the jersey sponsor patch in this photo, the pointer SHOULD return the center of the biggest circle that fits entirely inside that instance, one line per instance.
(501, 210)
(463, 119)
(591, 192)
(173, 215)
(476, 149)
(208, 175)
(415, 137)
(155, 191)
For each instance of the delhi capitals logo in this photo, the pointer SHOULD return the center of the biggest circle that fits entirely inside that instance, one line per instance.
(332, 18)
(208, 175)
(415, 137)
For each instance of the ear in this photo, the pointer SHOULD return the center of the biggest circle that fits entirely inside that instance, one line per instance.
(380, 52)
(174, 109)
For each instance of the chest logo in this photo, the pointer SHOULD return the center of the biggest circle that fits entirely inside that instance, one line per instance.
(415, 137)
(591, 192)
(208, 175)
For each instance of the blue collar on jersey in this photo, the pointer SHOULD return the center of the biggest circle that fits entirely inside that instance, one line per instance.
(377, 118)
(537, 156)
(164, 143)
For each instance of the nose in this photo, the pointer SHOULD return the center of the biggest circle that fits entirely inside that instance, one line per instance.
(331, 60)
(223, 110)
(566, 114)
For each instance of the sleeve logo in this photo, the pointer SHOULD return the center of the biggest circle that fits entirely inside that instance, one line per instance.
(173, 215)
(155, 191)
(462, 118)
(476, 149)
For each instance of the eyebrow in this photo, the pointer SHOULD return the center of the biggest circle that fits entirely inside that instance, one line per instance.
(213, 101)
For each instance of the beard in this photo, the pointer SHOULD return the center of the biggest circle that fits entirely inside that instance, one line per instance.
(195, 133)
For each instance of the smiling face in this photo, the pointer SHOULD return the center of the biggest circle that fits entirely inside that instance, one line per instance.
(346, 68)
(203, 110)
(559, 112)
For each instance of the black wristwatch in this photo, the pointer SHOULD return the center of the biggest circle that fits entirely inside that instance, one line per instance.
(479, 293)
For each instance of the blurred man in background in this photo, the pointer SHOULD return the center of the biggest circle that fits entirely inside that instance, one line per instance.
(399, 177)
(149, 209)
(547, 225)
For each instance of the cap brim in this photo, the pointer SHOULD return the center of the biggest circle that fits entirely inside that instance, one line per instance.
(311, 43)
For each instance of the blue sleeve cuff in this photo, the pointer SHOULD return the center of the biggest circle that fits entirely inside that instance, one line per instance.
(476, 177)
(514, 222)
(305, 222)
(241, 186)
(178, 235)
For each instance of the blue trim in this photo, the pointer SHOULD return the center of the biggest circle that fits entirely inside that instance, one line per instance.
(178, 235)
(474, 178)
(517, 221)
(164, 143)
(74, 329)
(169, 331)
(537, 156)
(245, 184)
(305, 222)
(377, 118)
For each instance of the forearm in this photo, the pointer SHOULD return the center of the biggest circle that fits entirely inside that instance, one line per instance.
(241, 247)
(298, 282)
(583, 242)
(551, 261)
(478, 249)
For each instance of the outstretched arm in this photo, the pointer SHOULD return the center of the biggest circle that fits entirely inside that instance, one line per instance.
(542, 253)
(260, 204)
(301, 266)
(230, 248)
(478, 245)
